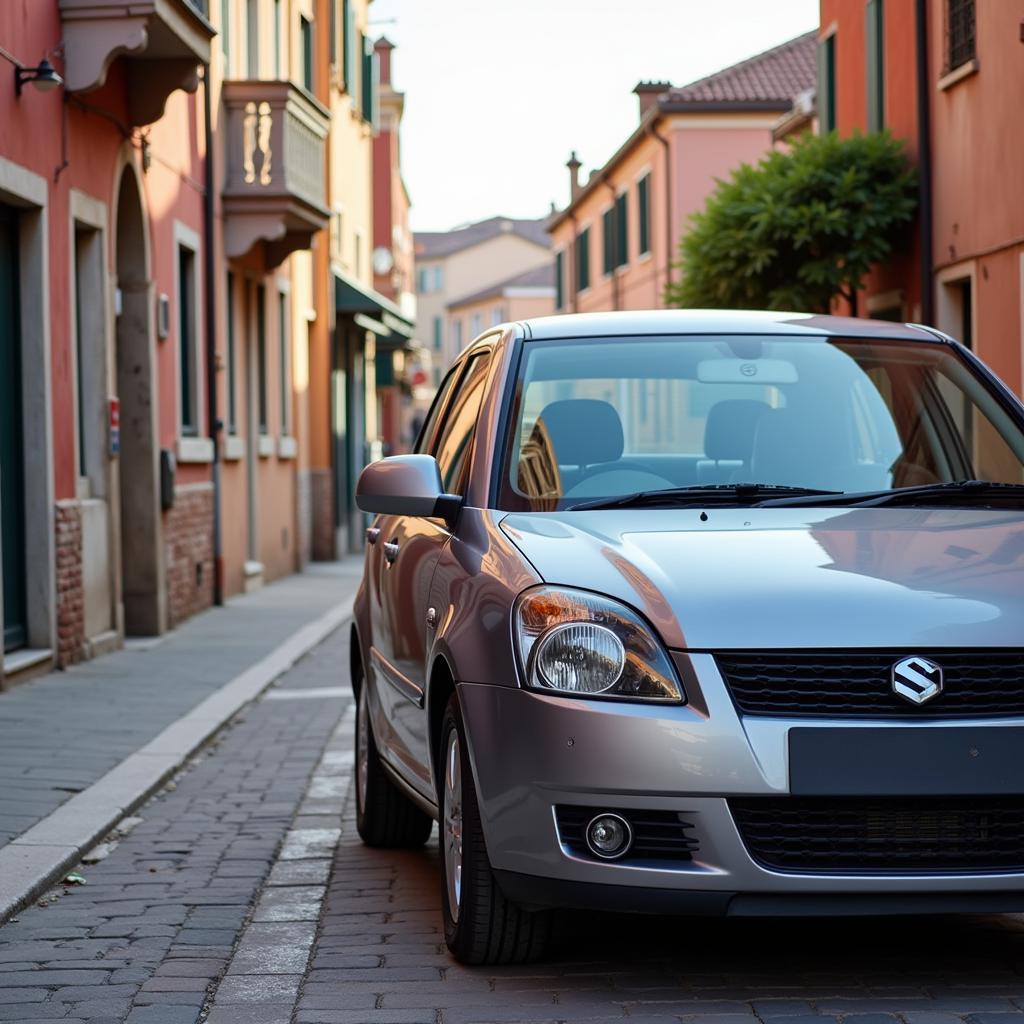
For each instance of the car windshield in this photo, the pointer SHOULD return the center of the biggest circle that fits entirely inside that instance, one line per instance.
(611, 417)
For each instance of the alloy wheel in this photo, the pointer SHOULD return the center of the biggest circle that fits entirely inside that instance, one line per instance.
(452, 823)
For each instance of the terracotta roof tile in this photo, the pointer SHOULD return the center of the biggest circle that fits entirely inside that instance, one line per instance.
(775, 76)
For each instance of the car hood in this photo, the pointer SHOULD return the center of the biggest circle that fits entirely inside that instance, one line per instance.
(795, 578)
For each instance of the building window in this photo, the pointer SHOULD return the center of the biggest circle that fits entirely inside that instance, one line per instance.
(421, 281)
(283, 363)
(277, 40)
(582, 255)
(643, 213)
(621, 231)
(874, 50)
(497, 316)
(188, 363)
(827, 84)
(559, 285)
(306, 34)
(457, 334)
(960, 39)
(608, 239)
(232, 358)
(438, 329)
(475, 325)
(261, 360)
(252, 38)
(438, 275)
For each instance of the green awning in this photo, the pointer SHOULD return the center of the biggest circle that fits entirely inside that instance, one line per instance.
(374, 312)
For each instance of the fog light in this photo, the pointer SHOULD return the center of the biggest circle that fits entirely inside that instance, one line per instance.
(609, 836)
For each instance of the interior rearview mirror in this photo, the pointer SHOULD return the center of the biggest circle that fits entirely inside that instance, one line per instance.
(406, 485)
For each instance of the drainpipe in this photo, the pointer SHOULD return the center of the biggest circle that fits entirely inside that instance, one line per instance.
(616, 298)
(571, 264)
(666, 147)
(924, 149)
(212, 417)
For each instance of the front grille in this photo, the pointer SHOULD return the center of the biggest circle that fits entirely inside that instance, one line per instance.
(859, 684)
(883, 836)
(657, 835)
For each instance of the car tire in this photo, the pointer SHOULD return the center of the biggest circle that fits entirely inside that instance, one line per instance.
(480, 925)
(385, 817)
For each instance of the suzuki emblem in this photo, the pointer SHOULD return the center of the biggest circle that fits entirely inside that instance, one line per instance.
(917, 679)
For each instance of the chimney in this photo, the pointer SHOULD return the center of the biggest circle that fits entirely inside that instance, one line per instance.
(383, 48)
(648, 92)
(574, 166)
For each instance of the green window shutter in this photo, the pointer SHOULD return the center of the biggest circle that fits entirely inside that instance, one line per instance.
(608, 240)
(874, 51)
(621, 231)
(368, 91)
(334, 30)
(559, 269)
(643, 212)
(827, 84)
(306, 30)
(583, 260)
(351, 52)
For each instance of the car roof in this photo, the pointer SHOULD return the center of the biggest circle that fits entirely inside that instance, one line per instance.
(719, 321)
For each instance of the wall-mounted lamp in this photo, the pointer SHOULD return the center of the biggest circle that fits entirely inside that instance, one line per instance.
(44, 77)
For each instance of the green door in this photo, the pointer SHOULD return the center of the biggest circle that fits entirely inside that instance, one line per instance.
(12, 469)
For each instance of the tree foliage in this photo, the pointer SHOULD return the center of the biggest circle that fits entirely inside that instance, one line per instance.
(799, 228)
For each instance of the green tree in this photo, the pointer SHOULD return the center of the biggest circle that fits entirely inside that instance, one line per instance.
(798, 229)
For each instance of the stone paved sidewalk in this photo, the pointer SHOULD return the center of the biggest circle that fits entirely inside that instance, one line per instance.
(62, 732)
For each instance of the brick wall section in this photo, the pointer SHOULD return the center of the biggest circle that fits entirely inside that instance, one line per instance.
(188, 535)
(323, 515)
(70, 592)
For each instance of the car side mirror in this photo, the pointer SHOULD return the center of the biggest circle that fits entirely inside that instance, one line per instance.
(406, 485)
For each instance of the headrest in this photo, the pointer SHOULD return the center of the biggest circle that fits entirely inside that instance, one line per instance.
(583, 431)
(729, 430)
(796, 451)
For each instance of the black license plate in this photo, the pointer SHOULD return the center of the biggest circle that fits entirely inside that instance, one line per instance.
(916, 761)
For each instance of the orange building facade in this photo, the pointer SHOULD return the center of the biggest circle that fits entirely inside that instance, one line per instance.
(955, 103)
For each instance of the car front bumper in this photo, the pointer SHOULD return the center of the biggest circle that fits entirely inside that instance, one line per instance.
(533, 752)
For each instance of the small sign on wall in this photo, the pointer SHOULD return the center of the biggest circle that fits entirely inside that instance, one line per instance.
(114, 405)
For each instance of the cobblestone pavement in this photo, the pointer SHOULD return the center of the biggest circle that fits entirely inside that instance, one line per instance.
(243, 896)
(157, 922)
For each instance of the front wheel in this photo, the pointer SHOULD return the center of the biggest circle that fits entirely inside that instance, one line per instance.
(384, 816)
(480, 925)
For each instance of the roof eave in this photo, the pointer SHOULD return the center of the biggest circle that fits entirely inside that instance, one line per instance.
(670, 106)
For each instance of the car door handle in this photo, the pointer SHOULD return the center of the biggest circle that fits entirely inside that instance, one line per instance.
(372, 533)
(391, 551)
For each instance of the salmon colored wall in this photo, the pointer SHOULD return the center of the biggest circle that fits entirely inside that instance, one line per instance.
(94, 141)
(701, 155)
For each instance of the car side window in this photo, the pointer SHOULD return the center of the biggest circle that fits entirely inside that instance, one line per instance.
(455, 441)
(429, 428)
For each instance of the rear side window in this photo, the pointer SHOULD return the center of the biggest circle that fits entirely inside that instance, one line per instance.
(440, 399)
(455, 442)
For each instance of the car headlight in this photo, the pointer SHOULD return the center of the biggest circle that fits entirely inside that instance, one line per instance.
(584, 645)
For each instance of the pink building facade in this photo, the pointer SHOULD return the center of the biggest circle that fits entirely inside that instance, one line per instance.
(616, 241)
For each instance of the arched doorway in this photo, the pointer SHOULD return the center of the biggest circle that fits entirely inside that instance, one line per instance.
(142, 577)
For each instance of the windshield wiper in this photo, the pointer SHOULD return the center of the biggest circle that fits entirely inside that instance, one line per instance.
(701, 494)
(976, 492)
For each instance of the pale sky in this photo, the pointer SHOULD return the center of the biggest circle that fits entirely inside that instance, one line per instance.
(499, 91)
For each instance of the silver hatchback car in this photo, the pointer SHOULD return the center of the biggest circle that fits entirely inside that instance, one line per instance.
(700, 613)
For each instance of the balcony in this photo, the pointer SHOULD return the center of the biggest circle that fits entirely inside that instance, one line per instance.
(275, 191)
(162, 41)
